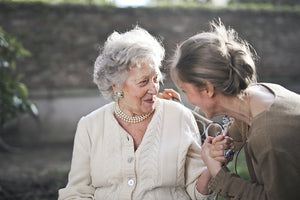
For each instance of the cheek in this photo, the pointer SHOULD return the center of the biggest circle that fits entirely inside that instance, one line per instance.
(157, 87)
(195, 100)
(139, 93)
(192, 99)
(195, 103)
(133, 95)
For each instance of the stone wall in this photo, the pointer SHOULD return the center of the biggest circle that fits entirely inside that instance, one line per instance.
(64, 41)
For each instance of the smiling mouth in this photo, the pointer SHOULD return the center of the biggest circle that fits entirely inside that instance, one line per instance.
(149, 100)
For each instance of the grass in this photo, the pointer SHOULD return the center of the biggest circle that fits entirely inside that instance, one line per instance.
(241, 168)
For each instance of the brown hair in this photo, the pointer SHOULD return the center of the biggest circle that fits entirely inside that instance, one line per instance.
(218, 56)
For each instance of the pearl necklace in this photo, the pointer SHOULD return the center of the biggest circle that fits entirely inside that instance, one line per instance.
(129, 119)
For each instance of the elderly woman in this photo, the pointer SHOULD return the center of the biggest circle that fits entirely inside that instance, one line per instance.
(139, 146)
(216, 70)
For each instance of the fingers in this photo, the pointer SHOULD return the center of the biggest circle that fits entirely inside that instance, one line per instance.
(212, 164)
(218, 147)
(206, 146)
(223, 142)
(221, 159)
(215, 152)
(209, 139)
(218, 155)
(218, 138)
(169, 94)
(164, 96)
(172, 93)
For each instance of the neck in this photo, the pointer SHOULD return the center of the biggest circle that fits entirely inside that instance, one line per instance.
(129, 119)
(127, 109)
(238, 108)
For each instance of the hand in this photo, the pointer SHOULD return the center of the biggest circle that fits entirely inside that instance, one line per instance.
(219, 145)
(170, 94)
(213, 165)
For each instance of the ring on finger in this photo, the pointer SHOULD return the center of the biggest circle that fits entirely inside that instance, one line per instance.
(229, 153)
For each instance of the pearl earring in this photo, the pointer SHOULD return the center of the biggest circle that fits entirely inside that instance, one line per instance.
(119, 94)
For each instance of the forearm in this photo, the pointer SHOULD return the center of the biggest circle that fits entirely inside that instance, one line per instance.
(202, 183)
(230, 185)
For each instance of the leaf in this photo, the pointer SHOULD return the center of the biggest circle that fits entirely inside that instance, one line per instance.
(34, 109)
(14, 94)
(23, 90)
(17, 101)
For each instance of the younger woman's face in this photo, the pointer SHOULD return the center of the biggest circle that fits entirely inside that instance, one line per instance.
(199, 97)
(140, 90)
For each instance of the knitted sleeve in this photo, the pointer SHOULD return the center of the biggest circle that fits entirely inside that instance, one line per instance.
(79, 184)
(194, 165)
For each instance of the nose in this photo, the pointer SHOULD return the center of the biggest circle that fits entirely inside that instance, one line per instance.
(153, 88)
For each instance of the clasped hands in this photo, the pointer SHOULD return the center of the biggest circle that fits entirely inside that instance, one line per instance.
(213, 151)
(214, 148)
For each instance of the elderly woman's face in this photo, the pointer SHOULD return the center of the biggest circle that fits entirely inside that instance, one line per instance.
(140, 90)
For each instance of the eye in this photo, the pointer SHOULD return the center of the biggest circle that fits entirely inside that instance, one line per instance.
(155, 79)
(143, 82)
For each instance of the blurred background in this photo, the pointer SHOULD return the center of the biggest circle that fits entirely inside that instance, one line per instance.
(47, 52)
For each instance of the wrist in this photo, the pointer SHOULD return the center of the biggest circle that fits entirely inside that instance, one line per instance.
(202, 183)
(215, 170)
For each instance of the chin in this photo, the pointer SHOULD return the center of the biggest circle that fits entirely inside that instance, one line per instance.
(150, 109)
(208, 115)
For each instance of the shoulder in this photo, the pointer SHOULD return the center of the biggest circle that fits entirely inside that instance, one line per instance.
(99, 113)
(175, 111)
(284, 109)
(280, 91)
(179, 116)
(92, 123)
(172, 106)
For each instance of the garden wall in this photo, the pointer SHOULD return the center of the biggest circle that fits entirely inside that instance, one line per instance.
(64, 41)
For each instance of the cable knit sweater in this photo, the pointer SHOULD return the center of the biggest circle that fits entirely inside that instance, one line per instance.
(165, 166)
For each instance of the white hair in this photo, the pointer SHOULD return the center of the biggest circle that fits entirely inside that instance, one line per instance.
(120, 53)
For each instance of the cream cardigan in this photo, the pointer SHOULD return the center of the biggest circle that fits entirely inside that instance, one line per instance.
(165, 166)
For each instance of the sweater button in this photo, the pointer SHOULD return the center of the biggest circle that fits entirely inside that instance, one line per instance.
(130, 159)
(130, 182)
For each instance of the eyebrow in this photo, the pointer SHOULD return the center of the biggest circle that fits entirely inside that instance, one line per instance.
(146, 76)
(142, 78)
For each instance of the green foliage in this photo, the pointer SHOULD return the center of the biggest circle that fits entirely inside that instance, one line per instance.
(241, 167)
(14, 94)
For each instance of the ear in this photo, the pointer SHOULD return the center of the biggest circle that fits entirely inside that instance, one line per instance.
(115, 88)
(210, 89)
